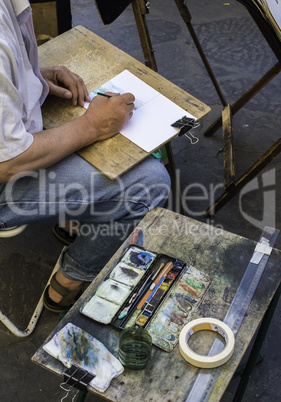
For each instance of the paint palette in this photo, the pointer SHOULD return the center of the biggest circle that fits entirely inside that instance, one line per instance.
(115, 289)
(149, 290)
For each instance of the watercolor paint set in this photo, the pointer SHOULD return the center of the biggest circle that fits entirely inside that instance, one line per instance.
(149, 290)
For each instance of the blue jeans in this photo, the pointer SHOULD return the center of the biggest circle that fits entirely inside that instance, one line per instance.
(106, 210)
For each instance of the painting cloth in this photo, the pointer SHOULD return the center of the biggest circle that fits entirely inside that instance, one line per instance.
(73, 346)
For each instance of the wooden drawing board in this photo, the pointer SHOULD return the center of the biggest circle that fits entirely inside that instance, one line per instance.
(97, 61)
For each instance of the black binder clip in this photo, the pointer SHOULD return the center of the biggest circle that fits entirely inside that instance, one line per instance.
(75, 377)
(185, 124)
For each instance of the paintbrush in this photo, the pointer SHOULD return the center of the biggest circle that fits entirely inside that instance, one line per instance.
(124, 312)
(156, 279)
(138, 295)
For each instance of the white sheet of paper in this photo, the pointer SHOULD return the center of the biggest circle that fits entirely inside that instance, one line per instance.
(150, 125)
(275, 9)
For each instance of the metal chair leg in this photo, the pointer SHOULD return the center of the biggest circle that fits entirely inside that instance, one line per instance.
(34, 319)
(10, 232)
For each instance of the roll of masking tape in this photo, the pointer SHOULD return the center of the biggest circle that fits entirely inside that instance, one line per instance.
(211, 324)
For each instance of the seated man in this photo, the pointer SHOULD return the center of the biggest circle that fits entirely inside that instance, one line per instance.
(42, 178)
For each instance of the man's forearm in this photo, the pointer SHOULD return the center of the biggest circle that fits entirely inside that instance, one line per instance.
(104, 118)
(49, 147)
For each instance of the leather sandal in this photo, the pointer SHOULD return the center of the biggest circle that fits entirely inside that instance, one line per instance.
(62, 235)
(69, 297)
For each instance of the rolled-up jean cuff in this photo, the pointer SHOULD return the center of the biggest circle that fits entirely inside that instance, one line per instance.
(74, 271)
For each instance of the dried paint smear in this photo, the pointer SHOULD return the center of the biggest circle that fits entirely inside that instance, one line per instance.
(178, 307)
(100, 310)
(125, 274)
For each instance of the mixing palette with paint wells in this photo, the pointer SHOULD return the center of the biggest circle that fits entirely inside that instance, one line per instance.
(149, 290)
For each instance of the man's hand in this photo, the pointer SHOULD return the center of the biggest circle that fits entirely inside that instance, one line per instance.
(65, 84)
(109, 115)
(104, 118)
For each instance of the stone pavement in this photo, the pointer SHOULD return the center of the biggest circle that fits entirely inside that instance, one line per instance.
(239, 56)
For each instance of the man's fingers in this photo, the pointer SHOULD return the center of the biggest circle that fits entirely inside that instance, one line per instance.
(74, 84)
(82, 93)
(128, 98)
(59, 91)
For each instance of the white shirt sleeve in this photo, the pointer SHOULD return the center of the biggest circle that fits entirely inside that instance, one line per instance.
(22, 88)
(14, 138)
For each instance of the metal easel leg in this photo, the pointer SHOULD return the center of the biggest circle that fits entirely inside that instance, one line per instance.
(254, 355)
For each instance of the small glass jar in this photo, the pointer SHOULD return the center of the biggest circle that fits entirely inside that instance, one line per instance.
(135, 348)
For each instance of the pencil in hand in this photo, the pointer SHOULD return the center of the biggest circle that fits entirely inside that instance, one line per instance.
(110, 96)
(104, 94)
